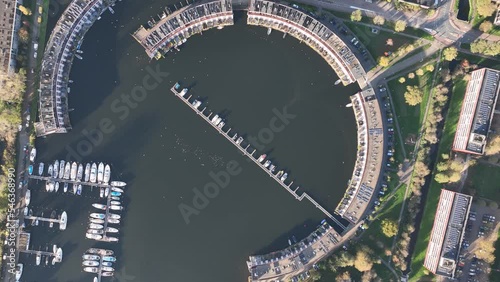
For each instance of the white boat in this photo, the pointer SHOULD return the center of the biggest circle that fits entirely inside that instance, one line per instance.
(107, 263)
(116, 189)
(100, 251)
(87, 173)
(75, 187)
(100, 172)
(114, 216)
(98, 215)
(25, 211)
(108, 268)
(91, 269)
(106, 192)
(93, 236)
(101, 193)
(63, 222)
(79, 190)
(269, 30)
(283, 178)
(261, 158)
(116, 208)
(79, 173)
(67, 170)
(91, 257)
(90, 263)
(107, 174)
(107, 274)
(38, 258)
(51, 186)
(115, 203)
(111, 230)
(116, 198)
(19, 271)
(56, 169)
(65, 187)
(61, 169)
(56, 188)
(118, 183)
(113, 221)
(40, 168)
(240, 139)
(47, 186)
(95, 231)
(95, 278)
(96, 226)
(58, 255)
(27, 197)
(52, 216)
(267, 163)
(74, 168)
(33, 155)
(93, 173)
(109, 258)
(97, 221)
(99, 206)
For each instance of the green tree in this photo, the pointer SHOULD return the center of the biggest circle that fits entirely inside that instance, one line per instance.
(400, 26)
(413, 95)
(485, 26)
(356, 16)
(378, 20)
(389, 227)
(481, 46)
(450, 53)
(383, 61)
(441, 178)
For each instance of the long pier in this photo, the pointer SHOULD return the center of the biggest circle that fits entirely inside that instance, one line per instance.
(245, 151)
(60, 180)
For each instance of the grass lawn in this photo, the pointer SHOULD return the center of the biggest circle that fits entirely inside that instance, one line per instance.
(417, 268)
(483, 62)
(485, 179)
(376, 43)
(495, 275)
(410, 118)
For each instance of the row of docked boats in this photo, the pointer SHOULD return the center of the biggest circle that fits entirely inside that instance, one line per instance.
(62, 220)
(93, 173)
(281, 175)
(99, 228)
(99, 261)
(57, 254)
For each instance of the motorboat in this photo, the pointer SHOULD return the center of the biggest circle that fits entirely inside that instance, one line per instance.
(90, 263)
(27, 197)
(67, 170)
(32, 155)
(56, 188)
(93, 236)
(114, 193)
(51, 186)
(96, 279)
(61, 169)
(116, 208)
(79, 172)
(107, 263)
(95, 231)
(38, 258)
(118, 183)
(111, 230)
(56, 169)
(107, 274)
(30, 169)
(96, 226)
(19, 271)
(75, 187)
(113, 221)
(261, 158)
(74, 169)
(101, 193)
(116, 198)
(267, 163)
(25, 211)
(91, 257)
(98, 215)
(79, 190)
(63, 221)
(107, 268)
(283, 178)
(93, 173)
(97, 221)
(65, 189)
(99, 206)
(109, 258)
(240, 139)
(100, 172)
(272, 168)
(107, 174)
(91, 269)
(116, 203)
(100, 251)
(280, 173)
(47, 186)
(106, 192)
(40, 169)
(114, 216)
(116, 189)
(58, 255)
(50, 171)
(87, 173)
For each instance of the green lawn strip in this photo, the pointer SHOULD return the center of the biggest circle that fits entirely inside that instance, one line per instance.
(495, 275)
(417, 268)
(484, 62)
(485, 179)
(306, 7)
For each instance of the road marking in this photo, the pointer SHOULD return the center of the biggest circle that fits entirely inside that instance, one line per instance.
(358, 8)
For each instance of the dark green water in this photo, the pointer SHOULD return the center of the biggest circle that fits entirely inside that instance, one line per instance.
(163, 150)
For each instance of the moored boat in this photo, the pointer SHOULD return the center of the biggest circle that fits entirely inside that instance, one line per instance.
(108, 268)
(19, 271)
(27, 197)
(113, 221)
(114, 193)
(90, 263)
(65, 187)
(91, 269)
(118, 183)
(107, 274)
(47, 186)
(38, 258)
(116, 189)
(98, 215)
(56, 188)
(116, 203)
(67, 170)
(116, 198)
(106, 192)
(116, 208)
(93, 236)
(63, 221)
(56, 169)
(93, 173)
(33, 155)
(267, 163)
(75, 187)
(79, 173)
(30, 169)
(283, 178)
(101, 193)
(96, 226)
(74, 168)
(111, 230)
(98, 221)
(91, 257)
(261, 158)
(61, 169)
(40, 169)
(114, 216)
(109, 258)
(99, 206)
(100, 172)
(95, 231)
(87, 173)
(51, 186)
(107, 174)
(79, 189)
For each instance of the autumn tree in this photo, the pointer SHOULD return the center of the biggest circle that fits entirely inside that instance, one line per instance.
(402, 80)
(343, 277)
(389, 228)
(25, 10)
(413, 95)
(400, 26)
(481, 46)
(485, 26)
(411, 75)
(363, 261)
(356, 16)
(484, 247)
(450, 53)
(378, 20)
(12, 86)
(429, 68)
(485, 8)
(493, 146)
(383, 61)
(419, 72)
(340, 260)
(24, 35)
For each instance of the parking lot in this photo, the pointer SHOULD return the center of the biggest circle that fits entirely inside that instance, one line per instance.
(482, 220)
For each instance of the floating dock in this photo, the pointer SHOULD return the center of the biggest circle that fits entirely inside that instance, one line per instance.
(195, 104)
(60, 180)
